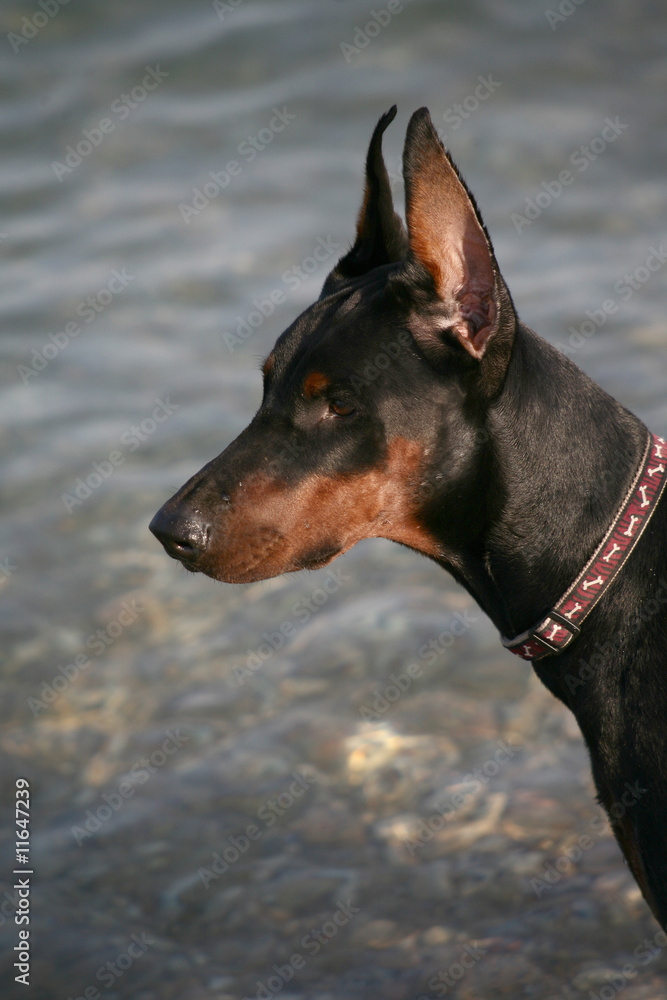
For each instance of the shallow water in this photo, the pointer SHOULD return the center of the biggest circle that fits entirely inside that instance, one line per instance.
(168, 737)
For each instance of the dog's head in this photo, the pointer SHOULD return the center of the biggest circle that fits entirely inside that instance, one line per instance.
(372, 418)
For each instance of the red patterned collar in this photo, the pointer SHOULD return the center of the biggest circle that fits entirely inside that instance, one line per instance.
(557, 630)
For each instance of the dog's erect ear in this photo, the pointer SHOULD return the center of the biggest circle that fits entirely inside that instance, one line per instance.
(381, 237)
(448, 239)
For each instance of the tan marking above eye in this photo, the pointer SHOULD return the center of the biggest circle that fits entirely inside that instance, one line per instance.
(269, 365)
(315, 384)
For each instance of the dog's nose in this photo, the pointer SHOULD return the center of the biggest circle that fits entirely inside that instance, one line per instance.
(184, 534)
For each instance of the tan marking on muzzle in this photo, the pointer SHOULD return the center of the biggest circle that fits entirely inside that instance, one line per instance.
(273, 528)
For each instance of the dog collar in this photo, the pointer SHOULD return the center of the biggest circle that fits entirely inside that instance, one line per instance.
(557, 630)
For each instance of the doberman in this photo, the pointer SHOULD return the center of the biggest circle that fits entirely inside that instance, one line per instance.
(409, 402)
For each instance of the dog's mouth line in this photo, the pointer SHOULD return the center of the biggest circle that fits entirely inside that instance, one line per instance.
(321, 560)
(213, 564)
(240, 572)
(180, 553)
(245, 571)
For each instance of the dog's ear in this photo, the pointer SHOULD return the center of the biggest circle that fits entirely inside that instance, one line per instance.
(381, 236)
(448, 240)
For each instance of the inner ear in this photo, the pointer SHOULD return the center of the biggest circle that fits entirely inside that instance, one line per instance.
(381, 237)
(447, 237)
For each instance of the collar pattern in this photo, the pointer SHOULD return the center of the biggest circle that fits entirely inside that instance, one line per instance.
(563, 623)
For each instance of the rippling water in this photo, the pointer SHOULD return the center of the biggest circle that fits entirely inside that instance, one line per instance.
(205, 807)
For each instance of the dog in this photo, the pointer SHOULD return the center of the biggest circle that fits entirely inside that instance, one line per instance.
(409, 402)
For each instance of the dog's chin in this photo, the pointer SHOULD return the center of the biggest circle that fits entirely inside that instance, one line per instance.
(320, 558)
(264, 569)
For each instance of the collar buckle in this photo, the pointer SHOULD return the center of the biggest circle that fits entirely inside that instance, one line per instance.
(557, 630)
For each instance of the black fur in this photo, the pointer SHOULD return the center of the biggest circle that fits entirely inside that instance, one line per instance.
(524, 463)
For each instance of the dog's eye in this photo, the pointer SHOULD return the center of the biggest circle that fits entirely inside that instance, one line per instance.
(339, 408)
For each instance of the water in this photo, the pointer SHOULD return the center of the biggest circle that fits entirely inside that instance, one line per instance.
(179, 726)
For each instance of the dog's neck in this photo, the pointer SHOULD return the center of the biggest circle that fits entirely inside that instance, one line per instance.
(561, 456)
